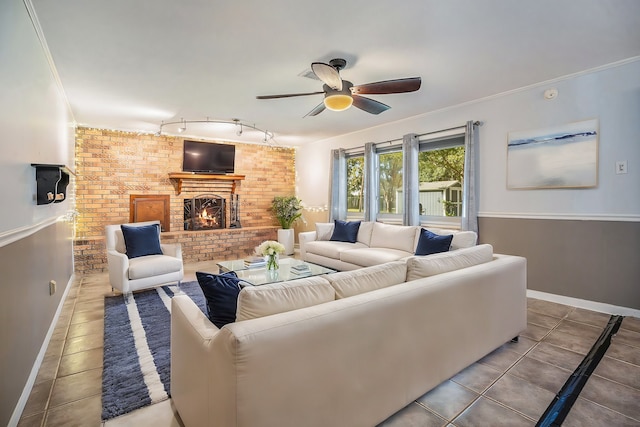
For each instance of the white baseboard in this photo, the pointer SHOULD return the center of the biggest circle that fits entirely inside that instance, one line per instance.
(17, 412)
(583, 303)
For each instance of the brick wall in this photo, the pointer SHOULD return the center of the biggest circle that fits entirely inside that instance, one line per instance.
(111, 165)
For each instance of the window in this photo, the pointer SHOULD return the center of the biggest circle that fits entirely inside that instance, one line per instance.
(441, 178)
(355, 185)
(390, 182)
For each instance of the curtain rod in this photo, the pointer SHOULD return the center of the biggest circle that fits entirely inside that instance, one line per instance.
(475, 123)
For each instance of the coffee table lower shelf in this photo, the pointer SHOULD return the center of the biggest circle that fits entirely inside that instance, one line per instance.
(262, 276)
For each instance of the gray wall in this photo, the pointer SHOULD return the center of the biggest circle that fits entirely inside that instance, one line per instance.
(26, 308)
(571, 219)
(591, 260)
(34, 246)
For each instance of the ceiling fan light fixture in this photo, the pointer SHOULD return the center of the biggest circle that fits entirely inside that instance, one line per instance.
(338, 102)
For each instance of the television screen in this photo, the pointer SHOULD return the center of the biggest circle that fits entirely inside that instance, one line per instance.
(208, 157)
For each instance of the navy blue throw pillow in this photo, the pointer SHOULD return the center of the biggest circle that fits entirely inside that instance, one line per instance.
(141, 240)
(431, 243)
(221, 292)
(345, 231)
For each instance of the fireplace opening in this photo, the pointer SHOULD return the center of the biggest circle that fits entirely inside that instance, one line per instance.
(204, 212)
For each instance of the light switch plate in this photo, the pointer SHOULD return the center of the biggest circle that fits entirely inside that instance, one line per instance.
(621, 167)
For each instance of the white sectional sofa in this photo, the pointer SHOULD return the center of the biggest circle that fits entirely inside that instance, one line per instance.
(344, 349)
(376, 243)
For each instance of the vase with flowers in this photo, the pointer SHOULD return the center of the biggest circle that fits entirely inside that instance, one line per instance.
(270, 250)
(287, 210)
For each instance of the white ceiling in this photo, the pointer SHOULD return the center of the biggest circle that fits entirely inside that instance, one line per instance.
(130, 65)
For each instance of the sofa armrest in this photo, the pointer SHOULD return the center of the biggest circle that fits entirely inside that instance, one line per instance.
(172, 249)
(304, 238)
(191, 361)
(118, 270)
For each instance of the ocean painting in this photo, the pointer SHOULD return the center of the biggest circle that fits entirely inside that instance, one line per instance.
(560, 157)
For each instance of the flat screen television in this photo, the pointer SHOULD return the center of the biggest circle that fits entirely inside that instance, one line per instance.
(208, 157)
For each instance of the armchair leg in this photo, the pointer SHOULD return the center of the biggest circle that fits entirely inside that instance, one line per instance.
(515, 339)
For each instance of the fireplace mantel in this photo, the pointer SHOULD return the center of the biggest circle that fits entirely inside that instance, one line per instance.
(180, 176)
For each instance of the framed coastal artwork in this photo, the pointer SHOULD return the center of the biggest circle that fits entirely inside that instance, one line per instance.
(564, 156)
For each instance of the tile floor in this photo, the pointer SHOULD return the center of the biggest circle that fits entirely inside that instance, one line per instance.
(510, 387)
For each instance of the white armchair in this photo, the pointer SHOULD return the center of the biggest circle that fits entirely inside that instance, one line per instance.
(131, 274)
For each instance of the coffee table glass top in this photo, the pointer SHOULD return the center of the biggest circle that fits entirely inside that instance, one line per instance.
(262, 276)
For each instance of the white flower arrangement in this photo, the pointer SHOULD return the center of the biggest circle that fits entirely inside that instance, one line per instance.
(270, 247)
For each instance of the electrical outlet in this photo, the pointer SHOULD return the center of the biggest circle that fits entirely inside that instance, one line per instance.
(52, 287)
(621, 167)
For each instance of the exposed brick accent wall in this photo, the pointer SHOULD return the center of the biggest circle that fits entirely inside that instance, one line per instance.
(111, 165)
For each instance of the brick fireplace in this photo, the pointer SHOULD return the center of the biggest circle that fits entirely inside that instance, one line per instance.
(112, 165)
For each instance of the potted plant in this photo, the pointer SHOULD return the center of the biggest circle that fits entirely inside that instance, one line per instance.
(287, 209)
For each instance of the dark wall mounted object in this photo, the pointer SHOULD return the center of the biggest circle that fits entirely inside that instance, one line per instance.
(51, 183)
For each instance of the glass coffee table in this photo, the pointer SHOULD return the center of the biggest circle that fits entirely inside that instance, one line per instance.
(262, 276)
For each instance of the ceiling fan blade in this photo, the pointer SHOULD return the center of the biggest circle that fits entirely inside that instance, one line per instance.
(319, 109)
(327, 74)
(288, 95)
(369, 105)
(388, 86)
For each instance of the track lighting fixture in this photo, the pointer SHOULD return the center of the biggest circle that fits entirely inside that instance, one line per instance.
(241, 126)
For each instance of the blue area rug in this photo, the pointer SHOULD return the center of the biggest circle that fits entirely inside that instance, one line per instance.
(136, 364)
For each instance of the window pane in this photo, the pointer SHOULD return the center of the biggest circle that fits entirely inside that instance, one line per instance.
(441, 175)
(390, 182)
(355, 185)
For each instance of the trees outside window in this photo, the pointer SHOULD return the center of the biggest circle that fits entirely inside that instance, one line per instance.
(355, 184)
(441, 174)
(390, 182)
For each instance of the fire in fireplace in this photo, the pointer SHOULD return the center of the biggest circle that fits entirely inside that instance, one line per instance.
(204, 212)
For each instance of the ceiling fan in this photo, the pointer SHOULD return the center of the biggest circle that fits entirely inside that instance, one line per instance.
(341, 94)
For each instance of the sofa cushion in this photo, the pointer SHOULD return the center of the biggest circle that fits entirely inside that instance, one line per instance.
(364, 232)
(367, 257)
(324, 230)
(345, 231)
(418, 267)
(141, 240)
(330, 249)
(399, 237)
(152, 265)
(221, 292)
(264, 300)
(349, 283)
(461, 239)
(431, 243)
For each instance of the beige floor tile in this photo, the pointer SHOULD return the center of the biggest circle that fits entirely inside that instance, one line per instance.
(162, 414)
(34, 420)
(522, 346)
(620, 372)
(628, 337)
(77, 386)
(80, 362)
(86, 316)
(588, 414)
(88, 328)
(39, 398)
(413, 415)
(448, 399)
(485, 412)
(549, 308)
(83, 343)
(535, 332)
(624, 352)
(589, 317)
(500, 359)
(557, 356)
(575, 343)
(543, 320)
(631, 323)
(80, 413)
(541, 374)
(477, 377)
(617, 397)
(580, 329)
(521, 395)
